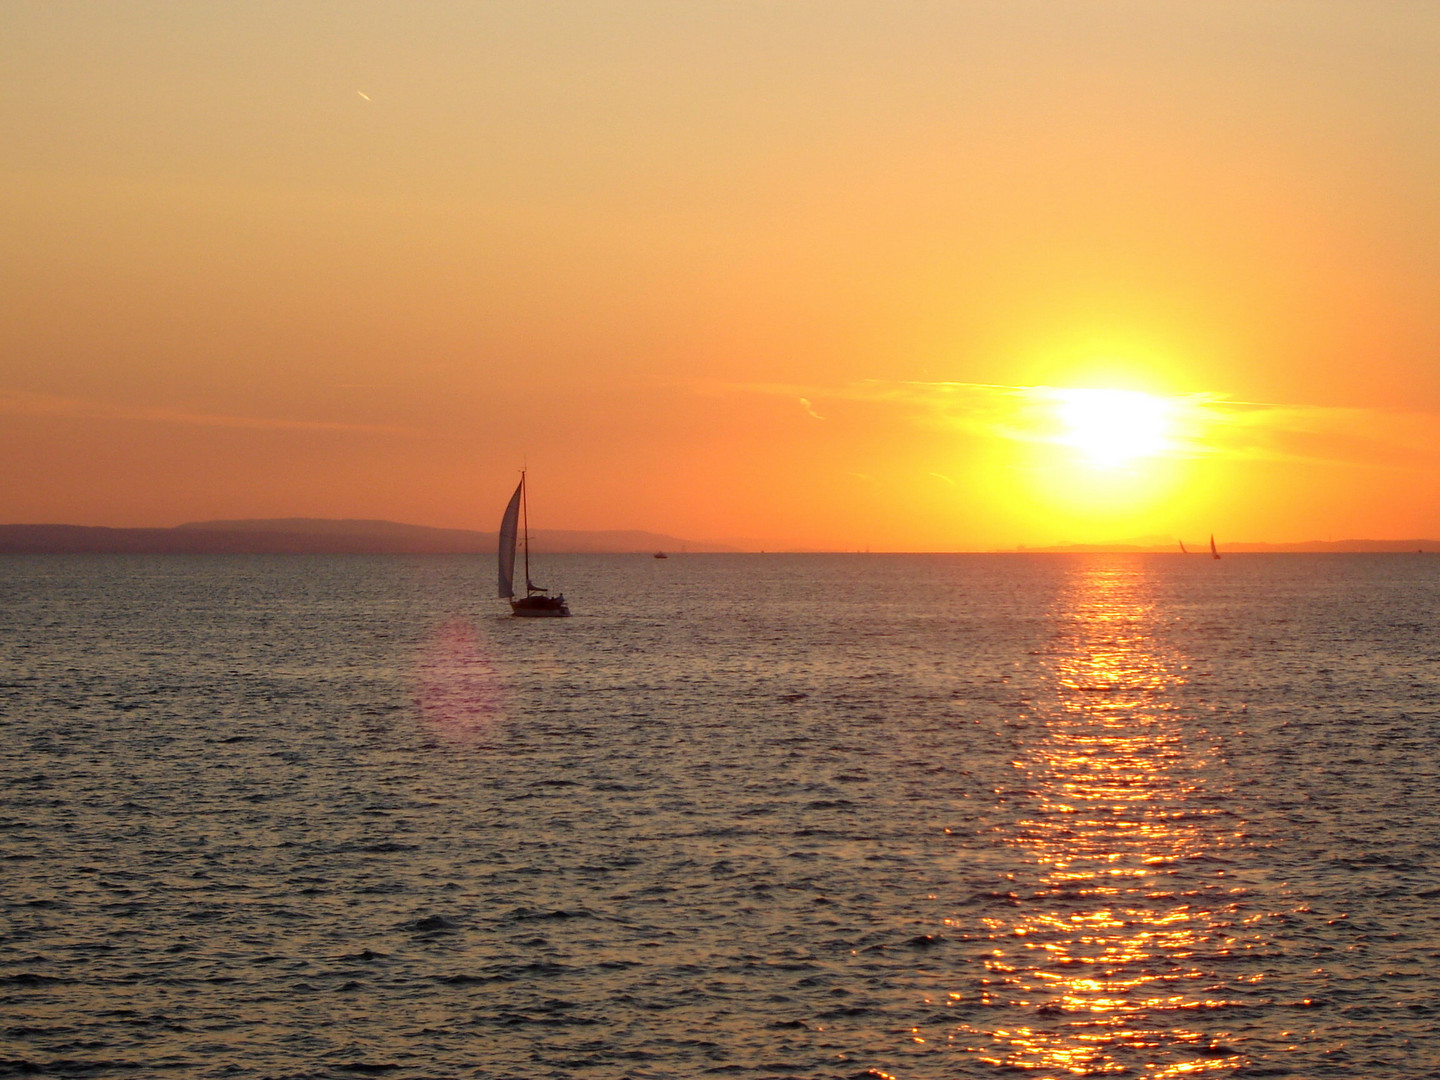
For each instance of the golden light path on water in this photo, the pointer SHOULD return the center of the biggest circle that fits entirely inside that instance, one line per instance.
(1109, 947)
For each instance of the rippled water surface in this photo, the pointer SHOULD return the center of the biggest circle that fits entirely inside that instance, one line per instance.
(742, 816)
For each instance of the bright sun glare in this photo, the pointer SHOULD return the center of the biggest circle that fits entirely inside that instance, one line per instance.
(1113, 427)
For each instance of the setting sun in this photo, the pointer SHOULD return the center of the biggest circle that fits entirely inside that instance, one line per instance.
(1114, 427)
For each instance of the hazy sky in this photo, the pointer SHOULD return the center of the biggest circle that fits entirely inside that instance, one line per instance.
(817, 274)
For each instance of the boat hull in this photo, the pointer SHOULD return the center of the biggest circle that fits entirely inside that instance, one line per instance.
(540, 607)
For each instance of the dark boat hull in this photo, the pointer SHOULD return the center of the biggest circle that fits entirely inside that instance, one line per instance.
(540, 607)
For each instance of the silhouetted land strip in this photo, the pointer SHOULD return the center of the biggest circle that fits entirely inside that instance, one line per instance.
(314, 536)
(324, 536)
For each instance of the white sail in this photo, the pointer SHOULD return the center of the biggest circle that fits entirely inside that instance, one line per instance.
(509, 524)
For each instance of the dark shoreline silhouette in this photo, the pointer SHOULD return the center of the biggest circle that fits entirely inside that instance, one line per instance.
(314, 536)
(325, 536)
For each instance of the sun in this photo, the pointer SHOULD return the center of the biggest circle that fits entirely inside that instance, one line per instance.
(1113, 428)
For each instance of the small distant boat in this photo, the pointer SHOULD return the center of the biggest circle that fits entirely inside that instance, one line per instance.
(537, 601)
(661, 555)
(1214, 554)
(1183, 550)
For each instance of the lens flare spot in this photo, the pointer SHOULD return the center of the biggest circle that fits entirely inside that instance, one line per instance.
(457, 687)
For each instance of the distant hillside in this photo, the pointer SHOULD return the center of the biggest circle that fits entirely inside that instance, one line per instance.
(326, 536)
(317, 536)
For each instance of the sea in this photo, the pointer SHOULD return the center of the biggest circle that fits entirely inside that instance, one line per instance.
(905, 817)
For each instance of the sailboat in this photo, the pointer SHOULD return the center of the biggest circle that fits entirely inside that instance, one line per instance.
(1183, 550)
(537, 601)
(1213, 553)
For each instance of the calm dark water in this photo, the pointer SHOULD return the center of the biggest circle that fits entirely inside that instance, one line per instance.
(743, 816)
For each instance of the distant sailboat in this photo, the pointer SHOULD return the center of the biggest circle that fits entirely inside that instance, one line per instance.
(1183, 550)
(1213, 553)
(537, 601)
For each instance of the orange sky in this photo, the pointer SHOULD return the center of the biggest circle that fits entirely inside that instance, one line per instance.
(806, 273)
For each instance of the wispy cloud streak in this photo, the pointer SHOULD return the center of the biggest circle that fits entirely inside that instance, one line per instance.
(1204, 424)
(26, 403)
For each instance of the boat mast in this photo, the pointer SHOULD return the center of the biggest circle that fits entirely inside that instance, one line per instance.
(525, 519)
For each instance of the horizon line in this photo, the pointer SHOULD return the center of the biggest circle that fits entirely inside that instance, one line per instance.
(254, 541)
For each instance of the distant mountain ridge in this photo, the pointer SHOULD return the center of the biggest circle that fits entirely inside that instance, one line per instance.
(359, 536)
(319, 536)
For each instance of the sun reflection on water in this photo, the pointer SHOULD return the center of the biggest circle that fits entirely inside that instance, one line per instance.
(1101, 964)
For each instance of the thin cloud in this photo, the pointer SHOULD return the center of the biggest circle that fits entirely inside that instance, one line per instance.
(1267, 431)
(25, 403)
(1203, 424)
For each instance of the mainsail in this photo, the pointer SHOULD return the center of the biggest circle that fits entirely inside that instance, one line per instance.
(509, 524)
